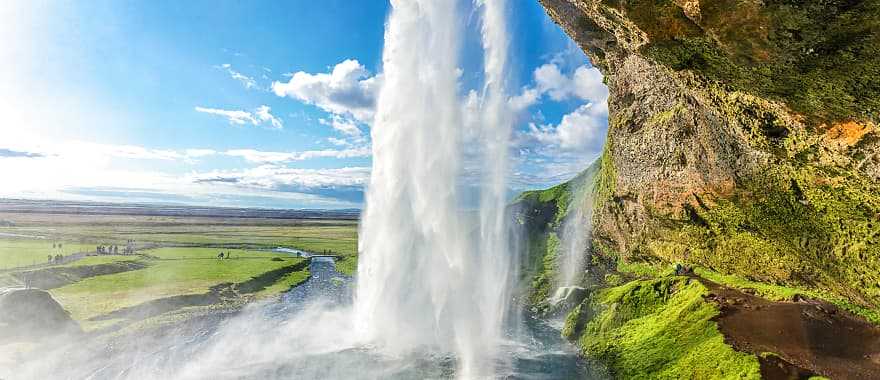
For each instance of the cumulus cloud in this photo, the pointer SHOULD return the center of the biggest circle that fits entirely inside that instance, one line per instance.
(347, 90)
(345, 126)
(548, 153)
(338, 142)
(245, 80)
(260, 116)
(585, 83)
(581, 129)
(262, 113)
(524, 100)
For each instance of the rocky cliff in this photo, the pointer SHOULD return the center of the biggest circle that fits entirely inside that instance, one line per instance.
(742, 137)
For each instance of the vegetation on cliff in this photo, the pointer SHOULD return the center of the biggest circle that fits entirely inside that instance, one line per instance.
(657, 329)
(815, 56)
(540, 214)
(743, 138)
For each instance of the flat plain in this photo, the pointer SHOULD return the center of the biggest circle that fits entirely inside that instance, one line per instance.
(175, 266)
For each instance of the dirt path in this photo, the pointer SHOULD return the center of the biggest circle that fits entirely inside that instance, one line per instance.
(809, 336)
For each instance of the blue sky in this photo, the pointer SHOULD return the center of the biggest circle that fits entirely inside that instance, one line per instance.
(248, 103)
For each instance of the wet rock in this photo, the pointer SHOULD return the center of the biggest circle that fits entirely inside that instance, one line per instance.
(567, 297)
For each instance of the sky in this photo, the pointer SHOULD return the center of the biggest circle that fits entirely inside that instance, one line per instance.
(249, 103)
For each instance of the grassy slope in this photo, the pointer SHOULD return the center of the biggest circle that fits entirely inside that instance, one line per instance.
(541, 213)
(173, 272)
(657, 329)
(541, 220)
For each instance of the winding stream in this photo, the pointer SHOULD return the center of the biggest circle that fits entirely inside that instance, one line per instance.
(305, 334)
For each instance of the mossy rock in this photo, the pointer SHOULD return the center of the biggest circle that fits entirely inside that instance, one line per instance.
(657, 329)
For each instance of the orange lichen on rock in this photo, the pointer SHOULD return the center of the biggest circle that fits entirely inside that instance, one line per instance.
(848, 133)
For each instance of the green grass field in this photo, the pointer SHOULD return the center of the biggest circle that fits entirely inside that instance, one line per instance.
(171, 272)
(181, 270)
(80, 233)
(18, 252)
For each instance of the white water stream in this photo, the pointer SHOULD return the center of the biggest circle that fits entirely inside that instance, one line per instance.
(425, 279)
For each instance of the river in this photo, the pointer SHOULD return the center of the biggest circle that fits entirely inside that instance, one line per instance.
(307, 333)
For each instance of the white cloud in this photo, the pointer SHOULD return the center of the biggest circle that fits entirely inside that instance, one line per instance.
(257, 156)
(585, 83)
(196, 153)
(582, 129)
(275, 177)
(589, 85)
(546, 153)
(261, 116)
(338, 142)
(245, 80)
(345, 126)
(551, 81)
(526, 99)
(348, 90)
(234, 116)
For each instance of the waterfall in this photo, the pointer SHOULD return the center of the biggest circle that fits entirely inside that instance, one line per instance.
(575, 234)
(428, 277)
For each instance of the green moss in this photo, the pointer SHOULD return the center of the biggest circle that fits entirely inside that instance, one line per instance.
(657, 329)
(544, 273)
(613, 279)
(808, 228)
(819, 57)
(606, 178)
(665, 117)
(643, 269)
(541, 213)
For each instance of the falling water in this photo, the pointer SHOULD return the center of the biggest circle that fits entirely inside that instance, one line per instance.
(497, 259)
(424, 280)
(576, 229)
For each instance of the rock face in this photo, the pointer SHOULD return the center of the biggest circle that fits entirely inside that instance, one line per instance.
(742, 136)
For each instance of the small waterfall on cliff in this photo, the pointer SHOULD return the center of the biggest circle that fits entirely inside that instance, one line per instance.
(425, 278)
(575, 239)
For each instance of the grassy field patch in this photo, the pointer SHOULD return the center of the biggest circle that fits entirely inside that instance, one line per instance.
(173, 272)
(19, 252)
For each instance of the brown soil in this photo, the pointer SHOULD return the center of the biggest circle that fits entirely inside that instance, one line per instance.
(809, 336)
